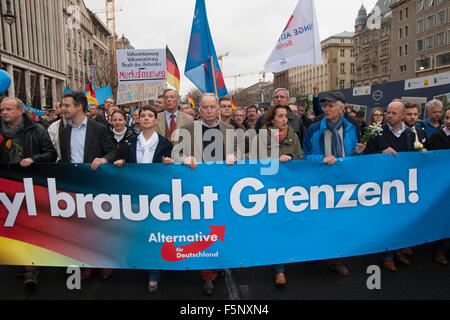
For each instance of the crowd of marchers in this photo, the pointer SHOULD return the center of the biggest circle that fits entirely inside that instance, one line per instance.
(74, 132)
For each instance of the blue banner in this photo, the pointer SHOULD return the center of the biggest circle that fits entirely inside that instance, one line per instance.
(218, 216)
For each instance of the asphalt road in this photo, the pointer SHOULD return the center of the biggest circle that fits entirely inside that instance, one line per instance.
(424, 279)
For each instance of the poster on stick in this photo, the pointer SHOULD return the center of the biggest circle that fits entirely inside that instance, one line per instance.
(141, 66)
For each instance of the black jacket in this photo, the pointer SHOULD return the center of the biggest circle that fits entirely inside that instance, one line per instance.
(385, 140)
(35, 143)
(163, 149)
(98, 143)
(439, 140)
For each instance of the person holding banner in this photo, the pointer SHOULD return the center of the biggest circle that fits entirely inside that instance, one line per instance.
(395, 137)
(120, 131)
(329, 139)
(281, 97)
(193, 148)
(438, 141)
(85, 141)
(25, 142)
(280, 142)
(147, 147)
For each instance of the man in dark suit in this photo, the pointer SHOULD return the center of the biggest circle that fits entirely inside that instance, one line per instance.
(84, 140)
(411, 119)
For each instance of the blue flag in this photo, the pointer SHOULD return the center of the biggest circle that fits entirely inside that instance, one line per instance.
(202, 66)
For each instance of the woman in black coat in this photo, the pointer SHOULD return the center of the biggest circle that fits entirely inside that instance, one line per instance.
(148, 147)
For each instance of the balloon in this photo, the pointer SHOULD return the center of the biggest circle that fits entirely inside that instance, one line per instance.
(5, 81)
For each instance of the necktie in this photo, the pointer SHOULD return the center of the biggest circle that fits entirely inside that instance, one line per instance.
(172, 123)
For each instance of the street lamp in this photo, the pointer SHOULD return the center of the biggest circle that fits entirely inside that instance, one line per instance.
(8, 16)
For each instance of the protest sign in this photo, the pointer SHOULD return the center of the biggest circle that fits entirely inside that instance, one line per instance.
(141, 66)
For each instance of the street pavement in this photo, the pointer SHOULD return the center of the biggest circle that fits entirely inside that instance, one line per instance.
(424, 279)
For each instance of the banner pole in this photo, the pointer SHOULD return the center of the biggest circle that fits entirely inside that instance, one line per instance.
(214, 76)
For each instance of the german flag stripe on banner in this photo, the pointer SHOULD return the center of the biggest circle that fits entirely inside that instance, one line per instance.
(173, 73)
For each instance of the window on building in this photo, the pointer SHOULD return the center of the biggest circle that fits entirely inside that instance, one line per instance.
(430, 22)
(429, 43)
(406, 50)
(342, 84)
(406, 31)
(400, 50)
(342, 53)
(441, 17)
(443, 60)
(423, 64)
(342, 68)
(420, 25)
(420, 5)
(352, 53)
(440, 39)
(430, 3)
(352, 83)
(352, 68)
(406, 13)
(419, 45)
(400, 33)
(400, 15)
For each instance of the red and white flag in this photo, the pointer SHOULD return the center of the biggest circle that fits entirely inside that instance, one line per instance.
(299, 43)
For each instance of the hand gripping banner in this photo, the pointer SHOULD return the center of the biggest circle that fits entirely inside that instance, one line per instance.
(217, 216)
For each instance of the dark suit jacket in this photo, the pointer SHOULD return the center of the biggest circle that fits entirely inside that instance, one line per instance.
(98, 143)
(163, 149)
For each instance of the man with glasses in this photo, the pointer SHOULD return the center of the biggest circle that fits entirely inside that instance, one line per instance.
(210, 145)
(226, 111)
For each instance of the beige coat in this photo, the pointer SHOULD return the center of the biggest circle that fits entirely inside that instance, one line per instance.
(183, 119)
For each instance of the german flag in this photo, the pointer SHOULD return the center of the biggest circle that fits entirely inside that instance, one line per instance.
(91, 97)
(173, 74)
(191, 101)
(233, 104)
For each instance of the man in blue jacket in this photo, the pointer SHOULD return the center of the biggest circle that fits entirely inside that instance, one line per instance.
(333, 137)
(329, 139)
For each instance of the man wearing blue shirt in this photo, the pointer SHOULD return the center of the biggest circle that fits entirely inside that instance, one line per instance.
(434, 121)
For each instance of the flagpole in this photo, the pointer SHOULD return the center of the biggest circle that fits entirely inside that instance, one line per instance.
(214, 77)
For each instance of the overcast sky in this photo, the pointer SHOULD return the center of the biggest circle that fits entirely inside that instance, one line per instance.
(247, 29)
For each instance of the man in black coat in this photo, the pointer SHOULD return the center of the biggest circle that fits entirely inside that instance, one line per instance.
(84, 140)
(25, 142)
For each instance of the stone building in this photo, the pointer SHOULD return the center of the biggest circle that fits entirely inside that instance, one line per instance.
(420, 38)
(32, 50)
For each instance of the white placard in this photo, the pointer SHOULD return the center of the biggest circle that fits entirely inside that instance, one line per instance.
(428, 81)
(362, 91)
(141, 66)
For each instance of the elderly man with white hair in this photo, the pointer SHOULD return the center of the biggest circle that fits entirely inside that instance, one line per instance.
(434, 121)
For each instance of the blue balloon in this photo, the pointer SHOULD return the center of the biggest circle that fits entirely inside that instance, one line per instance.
(5, 81)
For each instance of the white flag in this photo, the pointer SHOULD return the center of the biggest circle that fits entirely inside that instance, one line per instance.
(299, 44)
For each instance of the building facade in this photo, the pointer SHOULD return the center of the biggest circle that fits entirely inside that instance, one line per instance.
(420, 38)
(31, 49)
(51, 45)
(373, 34)
(86, 46)
(335, 73)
